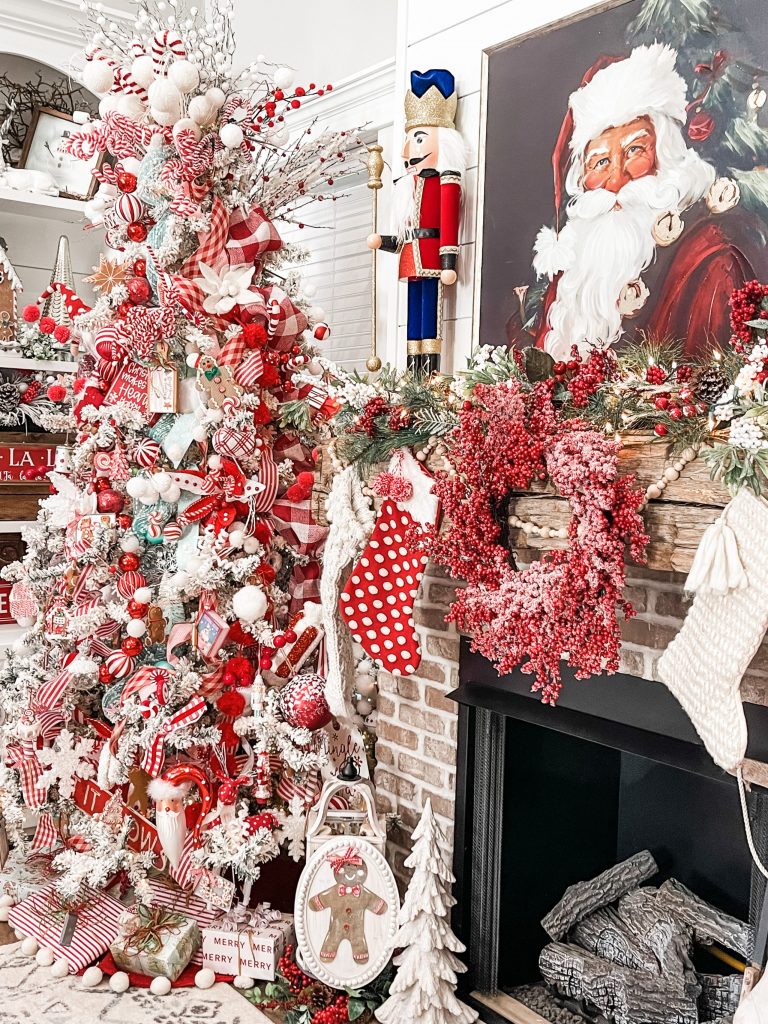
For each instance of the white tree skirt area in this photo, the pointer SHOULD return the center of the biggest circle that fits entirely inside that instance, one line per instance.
(29, 995)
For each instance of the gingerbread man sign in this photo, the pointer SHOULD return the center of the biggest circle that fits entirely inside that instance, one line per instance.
(348, 900)
(346, 912)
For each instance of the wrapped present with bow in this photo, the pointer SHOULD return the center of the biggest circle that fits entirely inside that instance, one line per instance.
(78, 930)
(247, 941)
(162, 892)
(155, 940)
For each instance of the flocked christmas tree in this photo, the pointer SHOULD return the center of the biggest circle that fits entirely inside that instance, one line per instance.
(424, 989)
(169, 585)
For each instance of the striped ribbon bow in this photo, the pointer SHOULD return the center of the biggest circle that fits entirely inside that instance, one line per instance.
(154, 757)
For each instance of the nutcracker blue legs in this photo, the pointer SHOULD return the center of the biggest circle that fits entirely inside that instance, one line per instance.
(424, 321)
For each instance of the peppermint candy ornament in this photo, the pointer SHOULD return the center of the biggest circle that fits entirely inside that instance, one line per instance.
(129, 582)
(119, 664)
(377, 602)
(146, 452)
(128, 208)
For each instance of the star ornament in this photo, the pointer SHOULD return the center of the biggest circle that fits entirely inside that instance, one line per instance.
(107, 275)
(227, 288)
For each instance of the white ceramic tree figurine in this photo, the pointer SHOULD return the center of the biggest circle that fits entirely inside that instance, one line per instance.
(424, 988)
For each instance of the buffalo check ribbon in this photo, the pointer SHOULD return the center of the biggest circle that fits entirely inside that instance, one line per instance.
(23, 758)
(154, 757)
(210, 252)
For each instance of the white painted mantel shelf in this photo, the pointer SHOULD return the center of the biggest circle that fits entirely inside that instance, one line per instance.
(34, 204)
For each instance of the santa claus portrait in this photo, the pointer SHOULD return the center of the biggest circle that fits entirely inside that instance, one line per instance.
(645, 166)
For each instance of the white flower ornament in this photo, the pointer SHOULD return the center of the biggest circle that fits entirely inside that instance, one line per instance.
(226, 288)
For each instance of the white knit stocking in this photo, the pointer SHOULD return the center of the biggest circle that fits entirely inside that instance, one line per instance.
(704, 664)
(351, 520)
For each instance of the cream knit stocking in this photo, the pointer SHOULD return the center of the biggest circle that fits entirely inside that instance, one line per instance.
(351, 520)
(704, 664)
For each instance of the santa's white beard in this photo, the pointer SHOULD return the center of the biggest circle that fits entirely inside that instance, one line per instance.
(171, 831)
(608, 242)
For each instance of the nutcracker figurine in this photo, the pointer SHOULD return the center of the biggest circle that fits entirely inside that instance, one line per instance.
(426, 206)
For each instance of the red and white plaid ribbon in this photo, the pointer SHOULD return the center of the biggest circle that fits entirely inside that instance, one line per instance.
(23, 758)
(269, 478)
(50, 694)
(251, 234)
(210, 251)
(154, 756)
(46, 833)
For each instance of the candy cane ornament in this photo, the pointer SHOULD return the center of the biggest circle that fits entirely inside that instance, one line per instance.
(274, 318)
(164, 44)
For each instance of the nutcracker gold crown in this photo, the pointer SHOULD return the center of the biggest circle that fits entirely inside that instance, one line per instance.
(431, 110)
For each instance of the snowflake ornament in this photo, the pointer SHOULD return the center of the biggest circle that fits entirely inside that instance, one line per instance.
(292, 828)
(66, 761)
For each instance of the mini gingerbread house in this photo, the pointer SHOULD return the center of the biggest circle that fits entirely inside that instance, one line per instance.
(10, 286)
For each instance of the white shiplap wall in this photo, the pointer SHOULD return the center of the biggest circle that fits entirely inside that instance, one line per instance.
(453, 34)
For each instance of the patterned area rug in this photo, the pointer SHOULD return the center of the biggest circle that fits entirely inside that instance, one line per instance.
(29, 995)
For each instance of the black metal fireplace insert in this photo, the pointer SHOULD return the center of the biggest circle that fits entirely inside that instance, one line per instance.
(551, 796)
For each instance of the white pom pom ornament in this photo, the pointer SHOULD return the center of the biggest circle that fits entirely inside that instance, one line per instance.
(250, 604)
(29, 946)
(244, 981)
(160, 986)
(205, 978)
(201, 110)
(231, 135)
(92, 977)
(143, 595)
(60, 969)
(166, 118)
(44, 957)
(136, 627)
(284, 78)
(119, 982)
(163, 95)
(217, 97)
(98, 76)
(142, 70)
(131, 106)
(108, 105)
(184, 75)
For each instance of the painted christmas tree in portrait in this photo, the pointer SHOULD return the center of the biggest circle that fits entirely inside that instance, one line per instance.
(160, 709)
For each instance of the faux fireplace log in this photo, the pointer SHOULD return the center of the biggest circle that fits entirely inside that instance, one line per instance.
(585, 898)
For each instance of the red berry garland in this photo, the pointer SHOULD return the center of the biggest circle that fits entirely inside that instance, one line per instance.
(567, 601)
(747, 304)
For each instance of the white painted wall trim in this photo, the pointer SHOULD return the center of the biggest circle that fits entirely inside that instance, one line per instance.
(50, 31)
(365, 97)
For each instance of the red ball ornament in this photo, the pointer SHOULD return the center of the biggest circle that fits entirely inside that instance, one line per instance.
(124, 521)
(278, 641)
(303, 704)
(128, 561)
(228, 678)
(136, 609)
(265, 662)
(105, 676)
(103, 483)
(138, 290)
(126, 181)
(110, 501)
(136, 232)
(290, 636)
(140, 268)
(131, 646)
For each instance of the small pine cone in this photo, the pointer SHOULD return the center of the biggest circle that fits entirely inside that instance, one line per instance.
(9, 397)
(709, 384)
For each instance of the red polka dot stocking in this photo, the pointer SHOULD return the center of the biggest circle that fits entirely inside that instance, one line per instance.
(377, 602)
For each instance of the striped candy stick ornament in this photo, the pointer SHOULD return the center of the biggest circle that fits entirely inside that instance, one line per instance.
(274, 318)
(164, 45)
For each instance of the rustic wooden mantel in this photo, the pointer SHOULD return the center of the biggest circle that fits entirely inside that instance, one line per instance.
(675, 522)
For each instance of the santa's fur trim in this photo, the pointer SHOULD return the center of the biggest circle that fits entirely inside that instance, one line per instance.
(646, 83)
(554, 252)
(159, 789)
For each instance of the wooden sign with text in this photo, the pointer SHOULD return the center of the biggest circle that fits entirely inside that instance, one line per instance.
(143, 836)
(131, 386)
(15, 458)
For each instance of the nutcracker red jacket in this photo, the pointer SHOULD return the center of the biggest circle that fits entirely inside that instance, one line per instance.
(432, 244)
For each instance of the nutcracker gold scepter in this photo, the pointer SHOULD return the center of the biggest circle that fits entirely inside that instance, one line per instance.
(427, 207)
(375, 167)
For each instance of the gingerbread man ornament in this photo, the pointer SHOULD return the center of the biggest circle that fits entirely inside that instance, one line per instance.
(217, 383)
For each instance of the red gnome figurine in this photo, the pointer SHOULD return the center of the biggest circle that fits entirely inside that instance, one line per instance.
(427, 206)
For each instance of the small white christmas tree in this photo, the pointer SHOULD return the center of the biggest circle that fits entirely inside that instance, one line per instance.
(424, 990)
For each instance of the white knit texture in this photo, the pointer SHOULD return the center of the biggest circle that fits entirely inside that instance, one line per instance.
(704, 664)
(351, 521)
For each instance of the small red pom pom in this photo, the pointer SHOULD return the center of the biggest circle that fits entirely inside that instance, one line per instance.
(296, 493)
(78, 385)
(57, 392)
(306, 479)
(62, 333)
(47, 325)
(30, 314)
(231, 704)
(262, 532)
